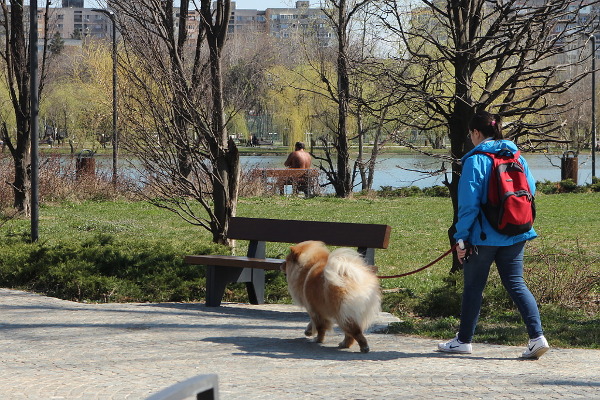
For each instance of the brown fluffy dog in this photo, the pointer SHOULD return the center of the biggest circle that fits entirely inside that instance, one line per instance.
(336, 286)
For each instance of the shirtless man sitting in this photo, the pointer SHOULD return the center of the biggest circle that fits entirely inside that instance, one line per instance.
(299, 158)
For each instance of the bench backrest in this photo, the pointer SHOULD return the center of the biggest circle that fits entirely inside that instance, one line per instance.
(363, 236)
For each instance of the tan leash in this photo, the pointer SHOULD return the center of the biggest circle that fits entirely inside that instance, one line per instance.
(422, 268)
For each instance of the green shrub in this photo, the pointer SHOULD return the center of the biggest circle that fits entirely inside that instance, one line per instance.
(411, 191)
(104, 269)
(547, 187)
(568, 186)
(595, 185)
(389, 191)
(437, 191)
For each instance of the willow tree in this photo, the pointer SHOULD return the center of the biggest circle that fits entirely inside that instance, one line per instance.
(455, 57)
(174, 108)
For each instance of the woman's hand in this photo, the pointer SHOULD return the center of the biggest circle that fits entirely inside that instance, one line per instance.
(461, 253)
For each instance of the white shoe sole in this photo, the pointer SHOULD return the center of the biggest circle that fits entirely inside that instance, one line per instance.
(440, 350)
(536, 354)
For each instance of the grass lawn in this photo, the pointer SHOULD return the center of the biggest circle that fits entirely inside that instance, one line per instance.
(566, 252)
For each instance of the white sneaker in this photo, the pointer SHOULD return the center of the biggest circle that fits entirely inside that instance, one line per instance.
(455, 346)
(536, 348)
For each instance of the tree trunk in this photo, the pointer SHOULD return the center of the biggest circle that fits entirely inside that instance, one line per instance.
(343, 185)
(18, 75)
(459, 129)
(226, 169)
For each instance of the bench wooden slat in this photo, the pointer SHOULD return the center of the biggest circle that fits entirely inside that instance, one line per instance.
(235, 261)
(295, 231)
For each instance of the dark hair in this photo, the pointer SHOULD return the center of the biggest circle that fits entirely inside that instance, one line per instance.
(299, 145)
(490, 125)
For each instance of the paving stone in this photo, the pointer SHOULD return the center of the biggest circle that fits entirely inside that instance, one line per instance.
(55, 349)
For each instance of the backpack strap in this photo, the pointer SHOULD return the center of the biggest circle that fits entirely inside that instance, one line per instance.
(483, 235)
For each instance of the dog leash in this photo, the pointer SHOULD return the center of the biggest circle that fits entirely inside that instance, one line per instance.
(422, 268)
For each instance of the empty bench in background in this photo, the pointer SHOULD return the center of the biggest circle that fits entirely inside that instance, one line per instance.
(222, 269)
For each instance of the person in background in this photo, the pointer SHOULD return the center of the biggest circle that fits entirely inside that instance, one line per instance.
(484, 245)
(299, 158)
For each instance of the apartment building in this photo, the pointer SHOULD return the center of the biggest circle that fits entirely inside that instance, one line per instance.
(290, 23)
(78, 23)
(73, 21)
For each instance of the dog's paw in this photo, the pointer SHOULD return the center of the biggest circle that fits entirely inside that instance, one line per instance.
(309, 331)
(364, 349)
(343, 345)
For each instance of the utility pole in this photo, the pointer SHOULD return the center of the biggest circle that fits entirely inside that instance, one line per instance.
(593, 41)
(34, 121)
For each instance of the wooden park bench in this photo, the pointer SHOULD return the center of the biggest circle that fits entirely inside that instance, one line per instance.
(305, 179)
(222, 269)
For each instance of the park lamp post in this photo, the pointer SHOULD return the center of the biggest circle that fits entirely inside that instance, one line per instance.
(593, 42)
(115, 133)
(34, 118)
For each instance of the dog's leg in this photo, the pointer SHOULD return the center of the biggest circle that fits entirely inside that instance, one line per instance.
(321, 325)
(353, 332)
(309, 331)
(362, 342)
(347, 342)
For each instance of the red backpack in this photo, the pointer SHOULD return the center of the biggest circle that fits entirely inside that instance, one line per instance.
(510, 207)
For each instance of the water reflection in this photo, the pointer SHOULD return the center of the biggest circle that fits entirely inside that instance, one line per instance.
(401, 170)
(391, 170)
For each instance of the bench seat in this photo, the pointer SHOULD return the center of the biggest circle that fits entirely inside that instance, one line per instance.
(235, 261)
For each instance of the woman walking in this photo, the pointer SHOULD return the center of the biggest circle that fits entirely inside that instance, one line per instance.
(485, 245)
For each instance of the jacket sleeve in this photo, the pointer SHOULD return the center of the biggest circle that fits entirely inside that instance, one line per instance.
(470, 192)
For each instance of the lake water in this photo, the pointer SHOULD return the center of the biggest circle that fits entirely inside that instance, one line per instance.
(401, 170)
(396, 170)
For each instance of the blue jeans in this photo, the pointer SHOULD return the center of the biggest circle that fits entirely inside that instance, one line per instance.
(509, 261)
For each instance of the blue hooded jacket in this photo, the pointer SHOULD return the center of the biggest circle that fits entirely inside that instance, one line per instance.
(472, 192)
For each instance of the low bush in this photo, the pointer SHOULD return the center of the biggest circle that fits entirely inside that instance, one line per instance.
(568, 277)
(411, 191)
(566, 186)
(106, 270)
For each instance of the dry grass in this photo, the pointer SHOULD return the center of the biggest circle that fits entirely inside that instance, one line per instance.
(58, 181)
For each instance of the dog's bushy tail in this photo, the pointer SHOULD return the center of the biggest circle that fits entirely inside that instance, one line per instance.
(347, 269)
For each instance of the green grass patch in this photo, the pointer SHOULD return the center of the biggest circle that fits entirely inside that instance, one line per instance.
(133, 251)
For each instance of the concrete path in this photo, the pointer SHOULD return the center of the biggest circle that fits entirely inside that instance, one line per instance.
(55, 349)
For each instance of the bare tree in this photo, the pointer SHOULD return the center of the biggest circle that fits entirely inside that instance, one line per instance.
(175, 109)
(336, 161)
(370, 100)
(15, 54)
(459, 56)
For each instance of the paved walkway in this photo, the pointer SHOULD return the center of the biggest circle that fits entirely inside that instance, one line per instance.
(55, 349)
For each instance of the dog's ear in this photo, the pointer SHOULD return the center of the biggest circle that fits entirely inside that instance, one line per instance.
(293, 253)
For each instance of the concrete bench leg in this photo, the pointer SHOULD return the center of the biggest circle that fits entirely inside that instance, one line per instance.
(217, 279)
(256, 286)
